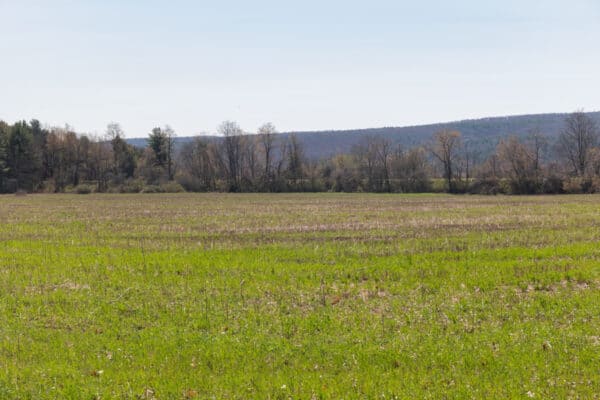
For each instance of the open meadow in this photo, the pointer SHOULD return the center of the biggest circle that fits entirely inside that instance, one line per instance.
(301, 296)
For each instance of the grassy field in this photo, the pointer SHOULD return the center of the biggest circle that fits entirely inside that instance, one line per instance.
(299, 296)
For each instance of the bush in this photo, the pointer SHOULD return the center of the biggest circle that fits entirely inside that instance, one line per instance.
(590, 185)
(552, 185)
(47, 187)
(172, 187)
(131, 186)
(489, 186)
(191, 184)
(438, 186)
(84, 189)
(151, 189)
(581, 185)
(525, 186)
(594, 185)
(169, 187)
(573, 185)
(416, 185)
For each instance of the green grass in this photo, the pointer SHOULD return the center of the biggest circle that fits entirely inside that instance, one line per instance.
(299, 296)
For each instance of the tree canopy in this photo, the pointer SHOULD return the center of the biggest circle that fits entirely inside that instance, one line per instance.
(51, 159)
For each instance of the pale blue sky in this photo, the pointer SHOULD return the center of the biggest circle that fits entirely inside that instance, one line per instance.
(303, 65)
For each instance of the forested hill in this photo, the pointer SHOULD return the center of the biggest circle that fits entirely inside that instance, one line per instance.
(482, 134)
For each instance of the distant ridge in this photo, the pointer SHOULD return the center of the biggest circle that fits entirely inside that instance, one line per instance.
(483, 133)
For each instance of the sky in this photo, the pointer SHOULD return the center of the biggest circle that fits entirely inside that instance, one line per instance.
(302, 65)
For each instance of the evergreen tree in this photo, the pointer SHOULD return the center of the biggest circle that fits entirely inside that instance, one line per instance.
(161, 142)
(124, 158)
(22, 158)
(4, 132)
(157, 141)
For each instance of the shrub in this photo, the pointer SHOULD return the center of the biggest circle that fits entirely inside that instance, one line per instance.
(172, 187)
(594, 185)
(131, 186)
(488, 186)
(573, 185)
(552, 185)
(438, 185)
(191, 184)
(84, 189)
(151, 189)
(525, 186)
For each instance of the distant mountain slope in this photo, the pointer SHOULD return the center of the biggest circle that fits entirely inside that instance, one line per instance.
(482, 134)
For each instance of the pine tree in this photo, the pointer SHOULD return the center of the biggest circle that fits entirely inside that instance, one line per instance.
(22, 158)
(4, 131)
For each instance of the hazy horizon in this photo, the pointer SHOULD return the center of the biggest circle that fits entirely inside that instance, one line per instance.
(303, 67)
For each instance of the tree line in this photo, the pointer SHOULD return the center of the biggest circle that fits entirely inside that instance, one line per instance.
(39, 159)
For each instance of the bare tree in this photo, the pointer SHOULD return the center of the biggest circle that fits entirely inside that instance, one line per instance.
(538, 143)
(366, 160)
(295, 161)
(489, 169)
(410, 169)
(266, 139)
(579, 136)
(197, 165)
(470, 158)
(250, 161)
(279, 165)
(383, 148)
(341, 173)
(231, 153)
(520, 163)
(114, 130)
(373, 155)
(446, 149)
(99, 160)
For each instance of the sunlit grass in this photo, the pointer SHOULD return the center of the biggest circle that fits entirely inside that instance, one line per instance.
(299, 296)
